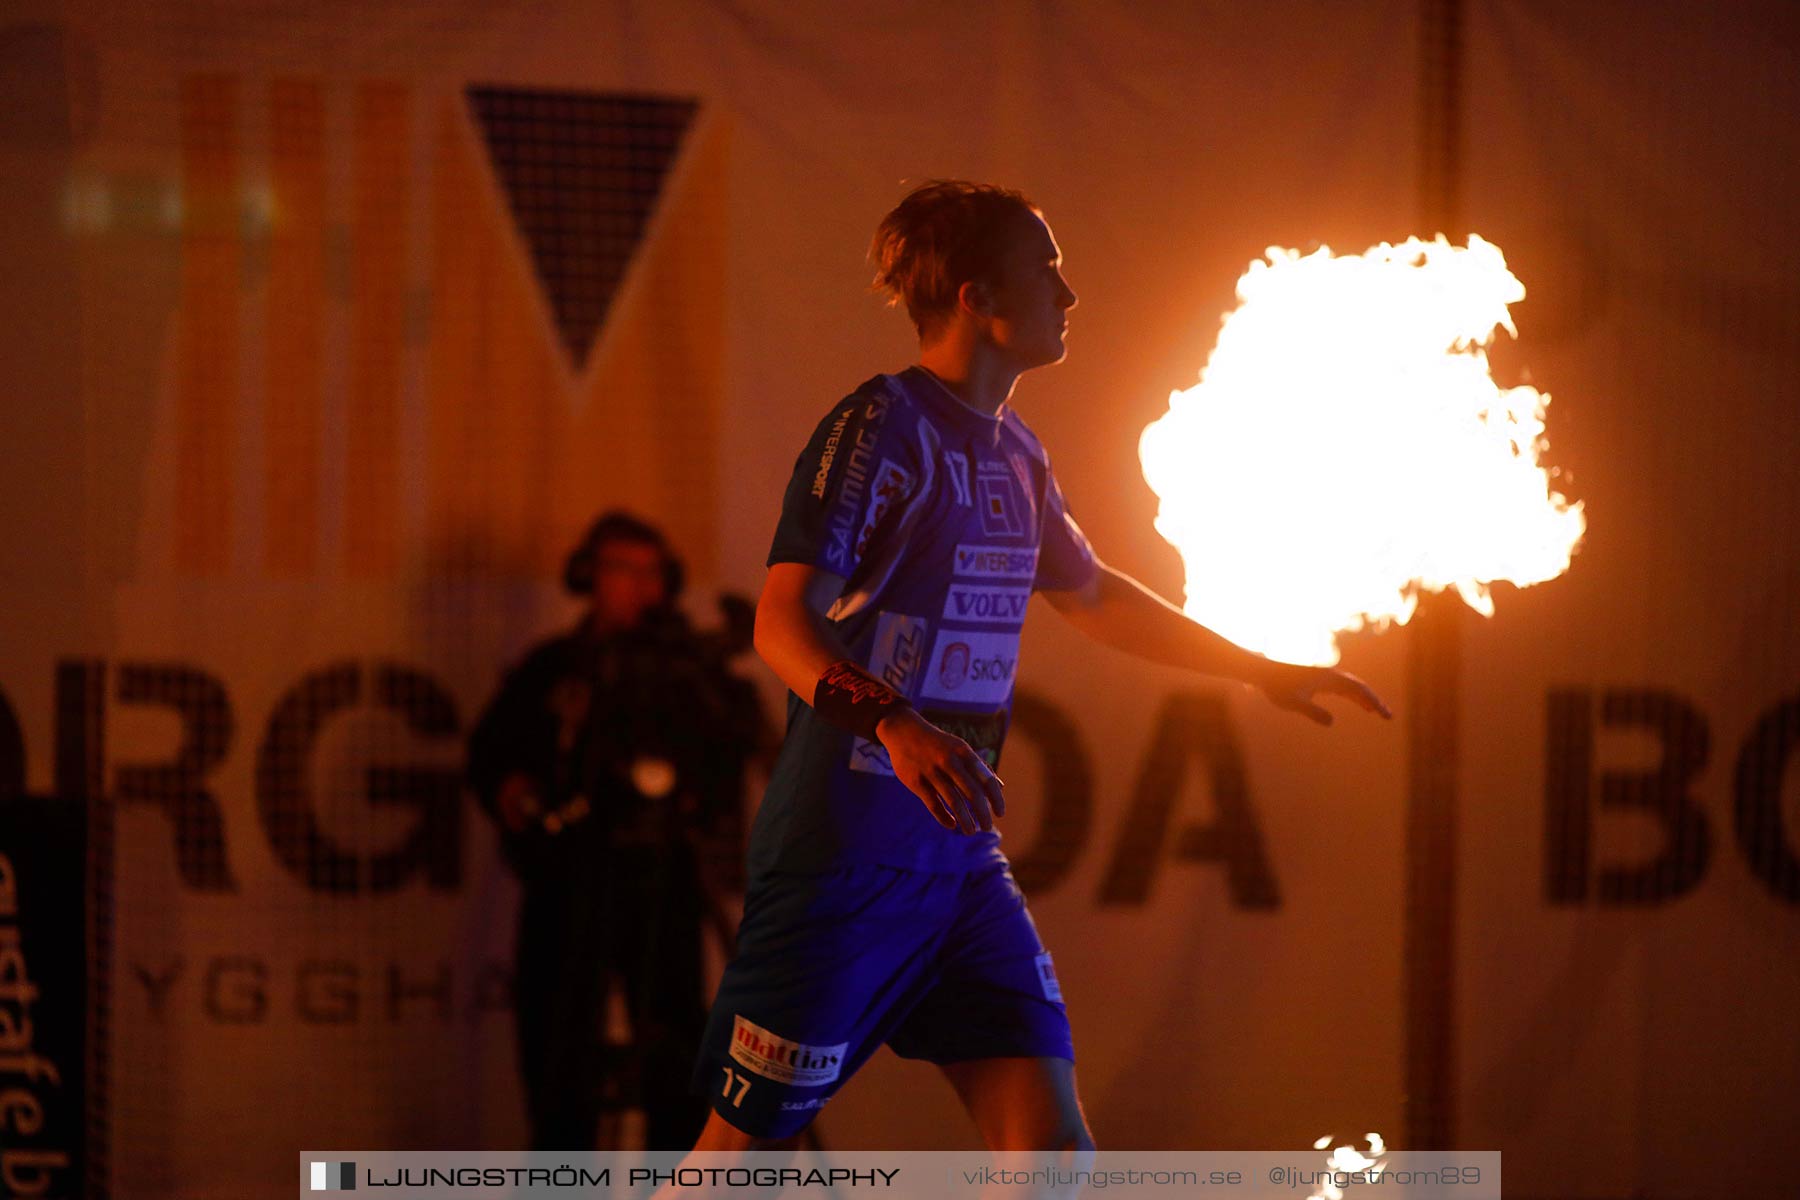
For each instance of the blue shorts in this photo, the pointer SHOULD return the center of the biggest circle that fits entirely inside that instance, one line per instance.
(943, 967)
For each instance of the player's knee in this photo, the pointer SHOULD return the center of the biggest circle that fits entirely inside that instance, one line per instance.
(1062, 1134)
(1072, 1134)
(1074, 1137)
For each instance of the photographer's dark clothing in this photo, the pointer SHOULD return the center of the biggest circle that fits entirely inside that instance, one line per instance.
(635, 745)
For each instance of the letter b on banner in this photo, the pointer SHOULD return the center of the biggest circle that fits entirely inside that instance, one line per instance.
(1664, 793)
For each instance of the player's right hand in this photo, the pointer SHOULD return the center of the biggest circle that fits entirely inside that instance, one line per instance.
(941, 769)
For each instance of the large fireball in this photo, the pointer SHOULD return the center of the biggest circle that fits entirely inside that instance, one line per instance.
(1347, 449)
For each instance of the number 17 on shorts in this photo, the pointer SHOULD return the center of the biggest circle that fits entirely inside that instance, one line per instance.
(735, 1087)
(796, 1064)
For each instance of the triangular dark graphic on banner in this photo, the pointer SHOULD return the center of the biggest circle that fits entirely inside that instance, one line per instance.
(582, 172)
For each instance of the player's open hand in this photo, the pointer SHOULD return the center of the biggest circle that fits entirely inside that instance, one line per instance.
(1290, 686)
(941, 769)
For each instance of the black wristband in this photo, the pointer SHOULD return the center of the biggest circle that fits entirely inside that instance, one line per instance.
(850, 698)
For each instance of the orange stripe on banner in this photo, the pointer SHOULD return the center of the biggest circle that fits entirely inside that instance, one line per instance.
(496, 398)
(382, 182)
(658, 385)
(519, 465)
(296, 335)
(456, 356)
(207, 346)
(521, 383)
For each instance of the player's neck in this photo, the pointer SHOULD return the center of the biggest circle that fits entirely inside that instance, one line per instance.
(980, 380)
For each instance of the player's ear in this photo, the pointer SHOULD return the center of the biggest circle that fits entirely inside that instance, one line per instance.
(977, 297)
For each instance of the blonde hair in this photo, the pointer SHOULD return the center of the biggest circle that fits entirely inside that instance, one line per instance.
(945, 233)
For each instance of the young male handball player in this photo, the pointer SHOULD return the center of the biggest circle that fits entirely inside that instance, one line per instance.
(919, 519)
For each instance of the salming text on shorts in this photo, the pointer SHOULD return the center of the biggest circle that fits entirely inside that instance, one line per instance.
(940, 966)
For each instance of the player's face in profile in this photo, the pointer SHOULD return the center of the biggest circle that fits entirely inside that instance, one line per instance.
(628, 582)
(1031, 297)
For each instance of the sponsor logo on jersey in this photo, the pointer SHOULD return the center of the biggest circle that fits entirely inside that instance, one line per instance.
(756, 1049)
(953, 666)
(851, 489)
(804, 1105)
(1000, 500)
(956, 466)
(854, 484)
(895, 658)
(892, 483)
(971, 668)
(996, 562)
(829, 453)
(1047, 978)
(986, 605)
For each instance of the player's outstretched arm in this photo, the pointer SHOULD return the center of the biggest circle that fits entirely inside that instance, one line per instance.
(940, 768)
(1118, 611)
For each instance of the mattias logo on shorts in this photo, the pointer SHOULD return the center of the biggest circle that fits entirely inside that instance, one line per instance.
(756, 1049)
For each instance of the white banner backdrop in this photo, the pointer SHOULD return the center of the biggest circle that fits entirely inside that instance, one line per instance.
(1629, 882)
(305, 417)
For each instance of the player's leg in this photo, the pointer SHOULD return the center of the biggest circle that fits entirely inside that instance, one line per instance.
(719, 1142)
(996, 1024)
(826, 967)
(721, 1136)
(1023, 1103)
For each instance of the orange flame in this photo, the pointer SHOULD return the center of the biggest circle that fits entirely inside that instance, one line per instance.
(1346, 448)
(1351, 1161)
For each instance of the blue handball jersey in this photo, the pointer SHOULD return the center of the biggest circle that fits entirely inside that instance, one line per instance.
(941, 520)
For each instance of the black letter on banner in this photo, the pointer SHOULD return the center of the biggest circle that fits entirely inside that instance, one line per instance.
(436, 792)
(401, 990)
(80, 731)
(1568, 766)
(493, 988)
(285, 802)
(282, 798)
(12, 752)
(1760, 770)
(156, 987)
(255, 997)
(1662, 792)
(334, 1003)
(1068, 799)
(179, 787)
(1192, 725)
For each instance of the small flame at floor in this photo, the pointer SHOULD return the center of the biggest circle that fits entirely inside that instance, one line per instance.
(1351, 1161)
(1347, 448)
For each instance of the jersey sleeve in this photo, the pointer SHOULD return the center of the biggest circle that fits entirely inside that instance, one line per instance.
(1066, 561)
(850, 484)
